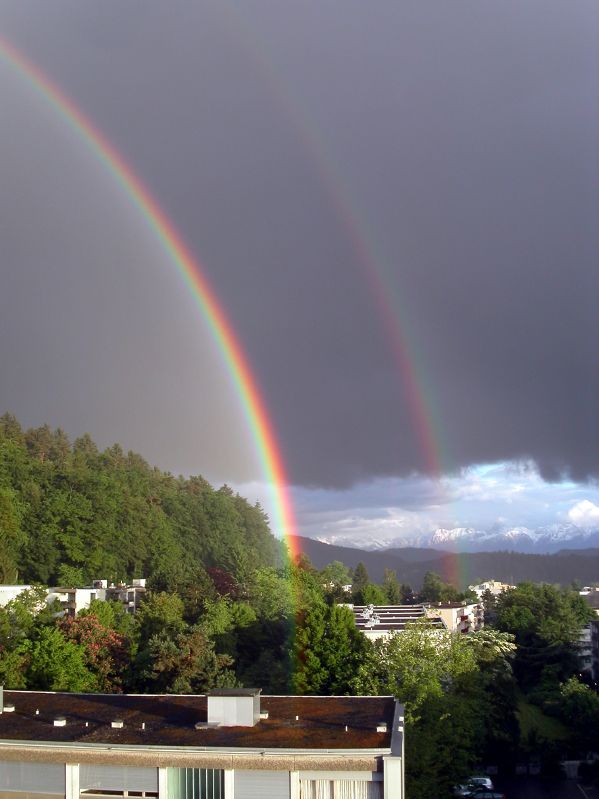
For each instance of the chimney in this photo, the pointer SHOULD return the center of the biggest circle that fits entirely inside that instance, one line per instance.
(235, 707)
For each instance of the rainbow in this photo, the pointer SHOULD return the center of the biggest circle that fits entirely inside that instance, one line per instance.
(251, 400)
(419, 396)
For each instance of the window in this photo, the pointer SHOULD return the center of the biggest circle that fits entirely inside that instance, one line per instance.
(261, 784)
(340, 789)
(195, 783)
(38, 778)
(117, 780)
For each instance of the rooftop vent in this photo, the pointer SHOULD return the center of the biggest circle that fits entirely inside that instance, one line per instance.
(117, 724)
(60, 721)
(264, 714)
(9, 707)
(237, 707)
(381, 726)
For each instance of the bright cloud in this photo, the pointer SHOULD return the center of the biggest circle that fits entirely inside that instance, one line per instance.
(584, 514)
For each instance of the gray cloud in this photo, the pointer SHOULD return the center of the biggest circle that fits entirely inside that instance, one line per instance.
(457, 144)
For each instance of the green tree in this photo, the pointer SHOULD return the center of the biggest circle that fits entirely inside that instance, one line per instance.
(11, 535)
(391, 587)
(55, 664)
(71, 576)
(329, 650)
(271, 594)
(111, 614)
(432, 587)
(186, 664)
(407, 595)
(160, 613)
(373, 595)
(359, 583)
(334, 577)
(546, 623)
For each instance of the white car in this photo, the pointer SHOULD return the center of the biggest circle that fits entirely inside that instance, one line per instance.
(472, 785)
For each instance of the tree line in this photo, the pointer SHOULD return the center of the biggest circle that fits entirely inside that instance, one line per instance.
(70, 513)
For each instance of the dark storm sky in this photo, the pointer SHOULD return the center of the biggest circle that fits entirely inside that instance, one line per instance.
(456, 144)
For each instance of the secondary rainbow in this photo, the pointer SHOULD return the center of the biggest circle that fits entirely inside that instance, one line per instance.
(252, 403)
(420, 398)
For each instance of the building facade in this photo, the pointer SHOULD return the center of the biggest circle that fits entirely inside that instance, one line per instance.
(458, 617)
(493, 586)
(69, 601)
(227, 745)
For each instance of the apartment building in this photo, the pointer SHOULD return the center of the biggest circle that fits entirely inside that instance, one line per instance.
(380, 621)
(232, 744)
(458, 617)
(72, 600)
(10, 592)
(69, 601)
(494, 586)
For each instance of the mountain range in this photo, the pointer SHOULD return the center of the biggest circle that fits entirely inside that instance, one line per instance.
(540, 540)
(461, 569)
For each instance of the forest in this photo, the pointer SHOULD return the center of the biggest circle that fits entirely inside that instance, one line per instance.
(70, 513)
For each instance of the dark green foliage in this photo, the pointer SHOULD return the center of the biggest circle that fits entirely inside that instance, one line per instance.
(392, 588)
(442, 678)
(435, 590)
(546, 622)
(328, 651)
(359, 583)
(69, 514)
(334, 577)
(185, 663)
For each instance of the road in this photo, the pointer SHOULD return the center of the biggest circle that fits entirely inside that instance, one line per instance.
(542, 788)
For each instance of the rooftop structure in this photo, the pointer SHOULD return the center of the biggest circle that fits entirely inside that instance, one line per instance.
(378, 621)
(230, 744)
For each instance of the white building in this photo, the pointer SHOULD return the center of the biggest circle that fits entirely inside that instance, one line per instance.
(381, 621)
(69, 601)
(10, 592)
(228, 745)
(458, 617)
(494, 586)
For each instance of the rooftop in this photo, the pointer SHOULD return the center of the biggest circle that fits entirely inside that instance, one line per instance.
(294, 722)
(390, 617)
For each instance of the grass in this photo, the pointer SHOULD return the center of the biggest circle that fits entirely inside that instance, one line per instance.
(531, 717)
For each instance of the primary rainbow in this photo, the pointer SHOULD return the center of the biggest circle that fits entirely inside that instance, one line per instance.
(252, 403)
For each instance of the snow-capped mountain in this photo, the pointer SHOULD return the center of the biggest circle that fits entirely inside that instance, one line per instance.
(547, 539)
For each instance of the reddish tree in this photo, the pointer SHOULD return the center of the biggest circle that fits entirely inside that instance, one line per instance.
(225, 583)
(106, 651)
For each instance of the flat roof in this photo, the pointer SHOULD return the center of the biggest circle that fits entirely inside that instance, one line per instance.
(392, 617)
(170, 720)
